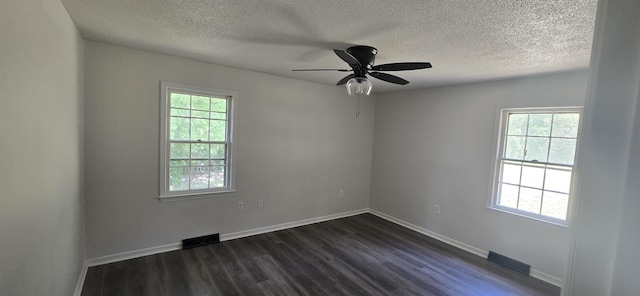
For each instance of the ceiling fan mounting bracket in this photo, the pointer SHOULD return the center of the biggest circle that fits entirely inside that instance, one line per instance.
(366, 55)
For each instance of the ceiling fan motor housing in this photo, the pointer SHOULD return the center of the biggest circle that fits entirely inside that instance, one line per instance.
(366, 55)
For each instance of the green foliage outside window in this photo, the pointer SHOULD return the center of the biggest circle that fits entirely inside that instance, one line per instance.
(198, 132)
(536, 164)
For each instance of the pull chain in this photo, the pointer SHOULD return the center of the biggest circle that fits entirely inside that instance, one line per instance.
(357, 106)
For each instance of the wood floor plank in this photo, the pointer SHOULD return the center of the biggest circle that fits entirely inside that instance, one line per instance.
(358, 255)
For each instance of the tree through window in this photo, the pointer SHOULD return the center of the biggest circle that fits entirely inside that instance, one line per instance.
(535, 162)
(197, 140)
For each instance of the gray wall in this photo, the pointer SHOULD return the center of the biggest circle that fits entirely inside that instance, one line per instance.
(298, 144)
(606, 259)
(435, 146)
(41, 222)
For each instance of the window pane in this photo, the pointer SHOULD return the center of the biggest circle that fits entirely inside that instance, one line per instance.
(539, 125)
(200, 151)
(530, 200)
(200, 103)
(178, 178)
(565, 125)
(508, 196)
(200, 114)
(217, 115)
(557, 180)
(218, 130)
(511, 173)
(179, 128)
(517, 124)
(515, 147)
(179, 112)
(219, 105)
(537, 149)
(179, 151)
(197, 139)
(217, 176)
(178, 163)
(180, 101)
(218, 150)
(199, 177)
(562, 151)
(199, 162)
(532, 176)
(199, 129)
(555, 205)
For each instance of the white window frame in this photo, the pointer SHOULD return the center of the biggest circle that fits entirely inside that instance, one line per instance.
(502, 125)
(232, 97)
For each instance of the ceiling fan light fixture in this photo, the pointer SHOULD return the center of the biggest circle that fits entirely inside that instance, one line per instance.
(359, 86)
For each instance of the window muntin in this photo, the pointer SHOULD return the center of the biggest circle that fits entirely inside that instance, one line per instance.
(197, 140)
(535, 162)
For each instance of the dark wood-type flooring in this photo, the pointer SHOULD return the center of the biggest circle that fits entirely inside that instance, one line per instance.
(358, 255)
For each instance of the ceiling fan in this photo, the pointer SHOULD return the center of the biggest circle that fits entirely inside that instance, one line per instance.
(361, 58)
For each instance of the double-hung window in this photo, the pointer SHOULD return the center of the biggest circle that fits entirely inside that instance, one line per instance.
(535, 162)
(196, 140)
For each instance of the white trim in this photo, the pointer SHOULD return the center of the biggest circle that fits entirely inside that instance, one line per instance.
(442, 238)
(223, 237)
(556, 281)
(81, 278)
(499, 144)
(261, 230)
(245, 233)
(133, 254)
(197, 196)
(471, 249)
(232, 110)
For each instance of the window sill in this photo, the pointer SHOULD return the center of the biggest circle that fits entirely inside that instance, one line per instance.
(191, 196)
(529, 219)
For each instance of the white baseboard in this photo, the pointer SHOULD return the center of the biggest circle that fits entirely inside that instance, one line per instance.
(132, 254)
(272, 228)
(245, 233)
(556, 281)
(471, 249)
(83, 275)
(223, 237)
(432, 234)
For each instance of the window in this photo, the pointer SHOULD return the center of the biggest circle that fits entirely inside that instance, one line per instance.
(534, 166)
(196, 140)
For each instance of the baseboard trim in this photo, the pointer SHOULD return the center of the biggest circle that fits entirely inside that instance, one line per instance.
(272, 228)
(432, 234)
(80, 283)
(132, 254)
(471, 249)
(223, 237)
(245, 233)
(556, 281)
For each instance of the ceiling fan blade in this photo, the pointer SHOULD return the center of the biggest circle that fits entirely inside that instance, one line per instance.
(339, 70)
(347, 78)
(401, 66)
(389, 78)
(347, 58)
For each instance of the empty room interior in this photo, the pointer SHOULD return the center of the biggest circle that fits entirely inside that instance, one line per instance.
(205, 147)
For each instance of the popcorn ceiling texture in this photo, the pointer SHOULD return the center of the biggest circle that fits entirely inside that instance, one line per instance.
(465, 40)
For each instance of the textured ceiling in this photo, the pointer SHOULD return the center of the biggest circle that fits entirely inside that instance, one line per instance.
(465, 40)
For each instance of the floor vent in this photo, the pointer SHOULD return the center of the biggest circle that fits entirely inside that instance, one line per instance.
(509, 263)
(200, 241)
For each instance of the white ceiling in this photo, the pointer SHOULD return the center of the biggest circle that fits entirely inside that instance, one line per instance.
(465, 40)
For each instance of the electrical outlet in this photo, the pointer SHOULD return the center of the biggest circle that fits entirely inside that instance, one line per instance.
(260, 203)
(341, 193)
(240, 206)
(436, 209)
